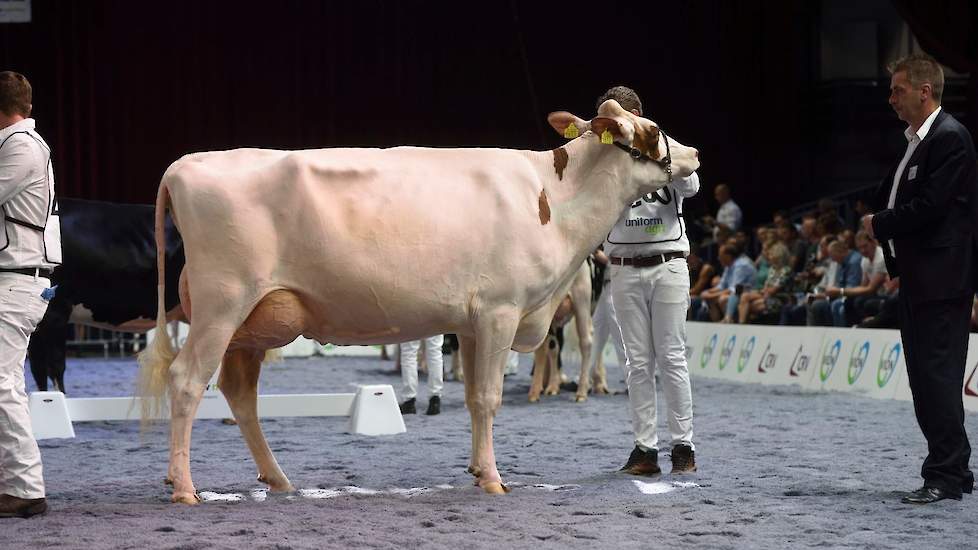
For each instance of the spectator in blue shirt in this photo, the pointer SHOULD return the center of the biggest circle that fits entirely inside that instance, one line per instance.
(829, 310)
(738, 274)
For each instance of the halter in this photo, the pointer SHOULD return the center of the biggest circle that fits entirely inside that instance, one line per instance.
(665, 163)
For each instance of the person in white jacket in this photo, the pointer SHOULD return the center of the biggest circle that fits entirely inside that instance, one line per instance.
(30, 247)
(647, 249)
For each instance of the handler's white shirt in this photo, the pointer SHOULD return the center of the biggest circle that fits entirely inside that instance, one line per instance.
(653, 224)
(913, 140)
(31, 236)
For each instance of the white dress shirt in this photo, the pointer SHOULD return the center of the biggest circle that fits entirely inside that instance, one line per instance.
(913, 140)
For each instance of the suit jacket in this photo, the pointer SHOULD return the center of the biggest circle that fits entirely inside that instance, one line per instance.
(934, 218)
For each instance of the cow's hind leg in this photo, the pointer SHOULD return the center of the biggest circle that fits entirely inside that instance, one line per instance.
(585, 331)
(239, 384)
(540, 367)
(484, 391)
(552, 363)
(188, 376)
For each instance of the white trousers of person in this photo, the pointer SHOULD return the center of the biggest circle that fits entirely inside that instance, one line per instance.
(605, 325)
(650, 304)
(21, 309)
(409, 366)
(512, 363)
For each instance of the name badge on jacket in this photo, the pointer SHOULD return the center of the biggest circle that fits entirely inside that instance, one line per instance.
(912, 174)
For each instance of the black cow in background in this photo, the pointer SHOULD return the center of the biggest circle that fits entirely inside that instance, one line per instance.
(108, 278)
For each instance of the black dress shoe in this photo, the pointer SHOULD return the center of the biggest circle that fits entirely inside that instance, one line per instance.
(15, 507)
(434, 405)
(642, 463)
(408, 407)
(927, 495)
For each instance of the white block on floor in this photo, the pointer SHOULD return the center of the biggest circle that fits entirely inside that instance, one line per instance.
(49, 415)
(375, 411)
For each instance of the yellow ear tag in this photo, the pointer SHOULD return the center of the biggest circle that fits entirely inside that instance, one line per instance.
(606, 138)
(571, 131)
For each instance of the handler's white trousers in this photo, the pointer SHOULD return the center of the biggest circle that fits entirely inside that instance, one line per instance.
(605, 325)
(651, 304)
(409, 366)
(21, 309)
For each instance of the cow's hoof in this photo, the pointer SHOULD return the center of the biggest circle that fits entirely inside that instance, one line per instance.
(580, 398)
(495, 488)
(280, 487)
(534, 398)
(229, 422)
(551, 392)
(185, 498)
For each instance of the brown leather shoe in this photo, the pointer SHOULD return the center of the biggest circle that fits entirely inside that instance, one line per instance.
(683, 459)
(642, 463)
(14, 507)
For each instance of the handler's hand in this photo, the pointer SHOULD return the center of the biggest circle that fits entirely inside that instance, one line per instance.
(868, 225)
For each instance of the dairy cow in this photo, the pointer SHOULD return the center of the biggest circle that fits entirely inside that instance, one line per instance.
(107, 278)
(369, 246)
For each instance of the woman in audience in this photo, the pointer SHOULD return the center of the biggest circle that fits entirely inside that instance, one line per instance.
(773, 295)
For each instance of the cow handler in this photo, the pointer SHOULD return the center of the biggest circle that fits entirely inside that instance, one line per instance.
(30, 246)
(647, 249)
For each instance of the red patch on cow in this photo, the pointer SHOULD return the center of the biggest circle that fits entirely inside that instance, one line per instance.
(560, 161)
(544, 208)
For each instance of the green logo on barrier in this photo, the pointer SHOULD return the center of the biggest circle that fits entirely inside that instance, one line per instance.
(708, 351)
(857, 361)
(745, 352)
(727, 351)
(887, 364)
(829, 358)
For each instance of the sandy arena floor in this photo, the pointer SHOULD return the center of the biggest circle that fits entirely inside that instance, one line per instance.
(778, 468)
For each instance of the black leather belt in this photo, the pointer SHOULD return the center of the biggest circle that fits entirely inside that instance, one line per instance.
(648, 261)
(32, 271)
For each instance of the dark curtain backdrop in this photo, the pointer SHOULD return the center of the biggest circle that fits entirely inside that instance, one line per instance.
(948, 30)
(123, 88)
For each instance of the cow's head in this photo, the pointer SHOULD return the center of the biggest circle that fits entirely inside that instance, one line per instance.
(652, 151)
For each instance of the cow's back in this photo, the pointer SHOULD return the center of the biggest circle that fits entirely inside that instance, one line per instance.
(407, 233)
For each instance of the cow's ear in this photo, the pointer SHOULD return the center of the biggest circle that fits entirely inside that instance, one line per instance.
(568, 125)
(619, 127)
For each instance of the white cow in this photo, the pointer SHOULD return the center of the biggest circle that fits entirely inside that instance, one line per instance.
(367, 246)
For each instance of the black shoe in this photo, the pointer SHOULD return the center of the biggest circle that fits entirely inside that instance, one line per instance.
(642, 463)
(407, 407)
(927, 495)
(15, 507)
(683, 459)
(434, 405)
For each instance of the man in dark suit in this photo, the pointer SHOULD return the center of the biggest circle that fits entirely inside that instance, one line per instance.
(925, 221)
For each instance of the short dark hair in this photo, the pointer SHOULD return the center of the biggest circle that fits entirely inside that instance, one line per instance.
(730, 249)
(15, 94)
(625, 96)
(921, 69)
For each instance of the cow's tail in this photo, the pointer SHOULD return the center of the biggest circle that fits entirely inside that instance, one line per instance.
(155, 360)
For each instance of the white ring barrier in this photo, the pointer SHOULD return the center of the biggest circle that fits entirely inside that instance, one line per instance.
(373, 409)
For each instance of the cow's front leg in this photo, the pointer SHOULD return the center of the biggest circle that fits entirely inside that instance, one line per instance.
(484, 394)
